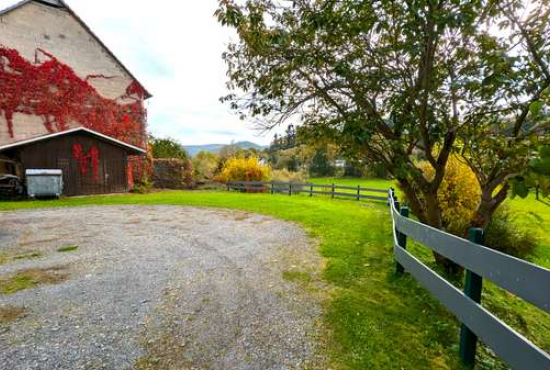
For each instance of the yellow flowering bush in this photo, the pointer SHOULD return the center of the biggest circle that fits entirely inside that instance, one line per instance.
(244, 169)
(459, 194)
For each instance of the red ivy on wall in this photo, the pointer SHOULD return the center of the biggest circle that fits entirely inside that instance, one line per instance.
(82, 158)
(53, 91)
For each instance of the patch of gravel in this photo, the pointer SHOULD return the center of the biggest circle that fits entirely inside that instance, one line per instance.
(161, 287)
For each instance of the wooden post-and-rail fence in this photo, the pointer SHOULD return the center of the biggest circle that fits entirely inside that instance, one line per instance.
(291, 188)
(524, 279)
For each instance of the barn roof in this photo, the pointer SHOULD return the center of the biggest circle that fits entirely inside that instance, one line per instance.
(62, 4)
(130, 148)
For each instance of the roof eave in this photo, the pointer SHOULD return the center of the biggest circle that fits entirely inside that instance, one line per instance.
(13, 7)
(131, 149)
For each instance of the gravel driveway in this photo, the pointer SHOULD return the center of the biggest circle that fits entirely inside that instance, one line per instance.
(160, 287)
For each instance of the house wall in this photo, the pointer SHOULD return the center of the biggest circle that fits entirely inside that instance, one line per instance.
(37, 26)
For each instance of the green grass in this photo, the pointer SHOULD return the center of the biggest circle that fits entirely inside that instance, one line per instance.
(530, 214)
(6, 258)
(30, 278)
(364, 183)
(351, 182)
(376, 320)
(17, 283)
(534, 215)
(28, 256)
(69, 248)
(297, 276)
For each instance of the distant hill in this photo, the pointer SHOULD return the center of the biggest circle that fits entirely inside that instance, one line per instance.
(215, 148)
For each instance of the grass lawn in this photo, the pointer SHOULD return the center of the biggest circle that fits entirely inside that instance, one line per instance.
(364, 183)
(530, 214)
(377, 321)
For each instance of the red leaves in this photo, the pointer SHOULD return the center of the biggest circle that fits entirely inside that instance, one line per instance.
(92, 156)
(135, 89)
(53, 91)
(94, 161)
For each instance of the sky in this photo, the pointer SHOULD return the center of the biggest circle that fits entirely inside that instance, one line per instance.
(174, 48)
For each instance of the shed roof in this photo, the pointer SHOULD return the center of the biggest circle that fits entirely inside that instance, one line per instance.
(130, 148)
(62, 4)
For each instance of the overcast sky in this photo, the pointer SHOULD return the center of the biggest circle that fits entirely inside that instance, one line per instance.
(174, 48)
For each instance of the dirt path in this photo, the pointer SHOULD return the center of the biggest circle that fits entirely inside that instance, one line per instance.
(159, 287)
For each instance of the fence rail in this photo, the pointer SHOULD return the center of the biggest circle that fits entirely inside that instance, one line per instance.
(528, 281)
(307, 188)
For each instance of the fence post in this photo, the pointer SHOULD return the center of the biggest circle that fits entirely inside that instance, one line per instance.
(272, 187)
(395, 200)
(310, 190)
(333, 191)
(358, 192)
(289, 189)
(472, 288)
(401, 240)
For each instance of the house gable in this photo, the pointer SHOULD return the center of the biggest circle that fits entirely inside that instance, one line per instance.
(48, 30)
(61, 5)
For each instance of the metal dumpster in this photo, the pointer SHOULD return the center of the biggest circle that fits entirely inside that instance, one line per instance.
(44, 183)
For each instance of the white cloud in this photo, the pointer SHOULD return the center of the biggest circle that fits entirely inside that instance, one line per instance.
(174, 48)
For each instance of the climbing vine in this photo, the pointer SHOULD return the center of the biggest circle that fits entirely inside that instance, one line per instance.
(52, 91)
(82, 158)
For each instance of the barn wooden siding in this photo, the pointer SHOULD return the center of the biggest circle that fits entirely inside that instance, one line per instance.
(57, 153)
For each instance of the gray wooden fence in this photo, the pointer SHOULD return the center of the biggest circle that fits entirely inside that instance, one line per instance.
(525, 280)
(291, 188)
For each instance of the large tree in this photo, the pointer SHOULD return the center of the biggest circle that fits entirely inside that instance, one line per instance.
(392, 80)
(167, 148)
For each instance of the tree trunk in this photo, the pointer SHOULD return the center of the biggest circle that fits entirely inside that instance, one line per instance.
(428, 212)
(488, 206)
(414, 202)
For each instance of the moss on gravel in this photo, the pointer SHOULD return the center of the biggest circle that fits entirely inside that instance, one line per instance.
(69, 248)
(30, 278)
(28, 256)
(10, 313)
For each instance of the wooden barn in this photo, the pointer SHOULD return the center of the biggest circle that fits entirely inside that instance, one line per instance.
(92, 163)
(66, 101)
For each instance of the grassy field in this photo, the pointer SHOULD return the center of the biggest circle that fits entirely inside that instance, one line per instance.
(376, 320)
(529, 214)
(364, 183)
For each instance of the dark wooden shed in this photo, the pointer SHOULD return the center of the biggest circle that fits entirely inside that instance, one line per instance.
(92, 163)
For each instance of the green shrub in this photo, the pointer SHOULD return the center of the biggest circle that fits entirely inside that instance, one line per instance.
(504, 235)
(167, 148)
(143, 186)
(288, 176)
(204, 166)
